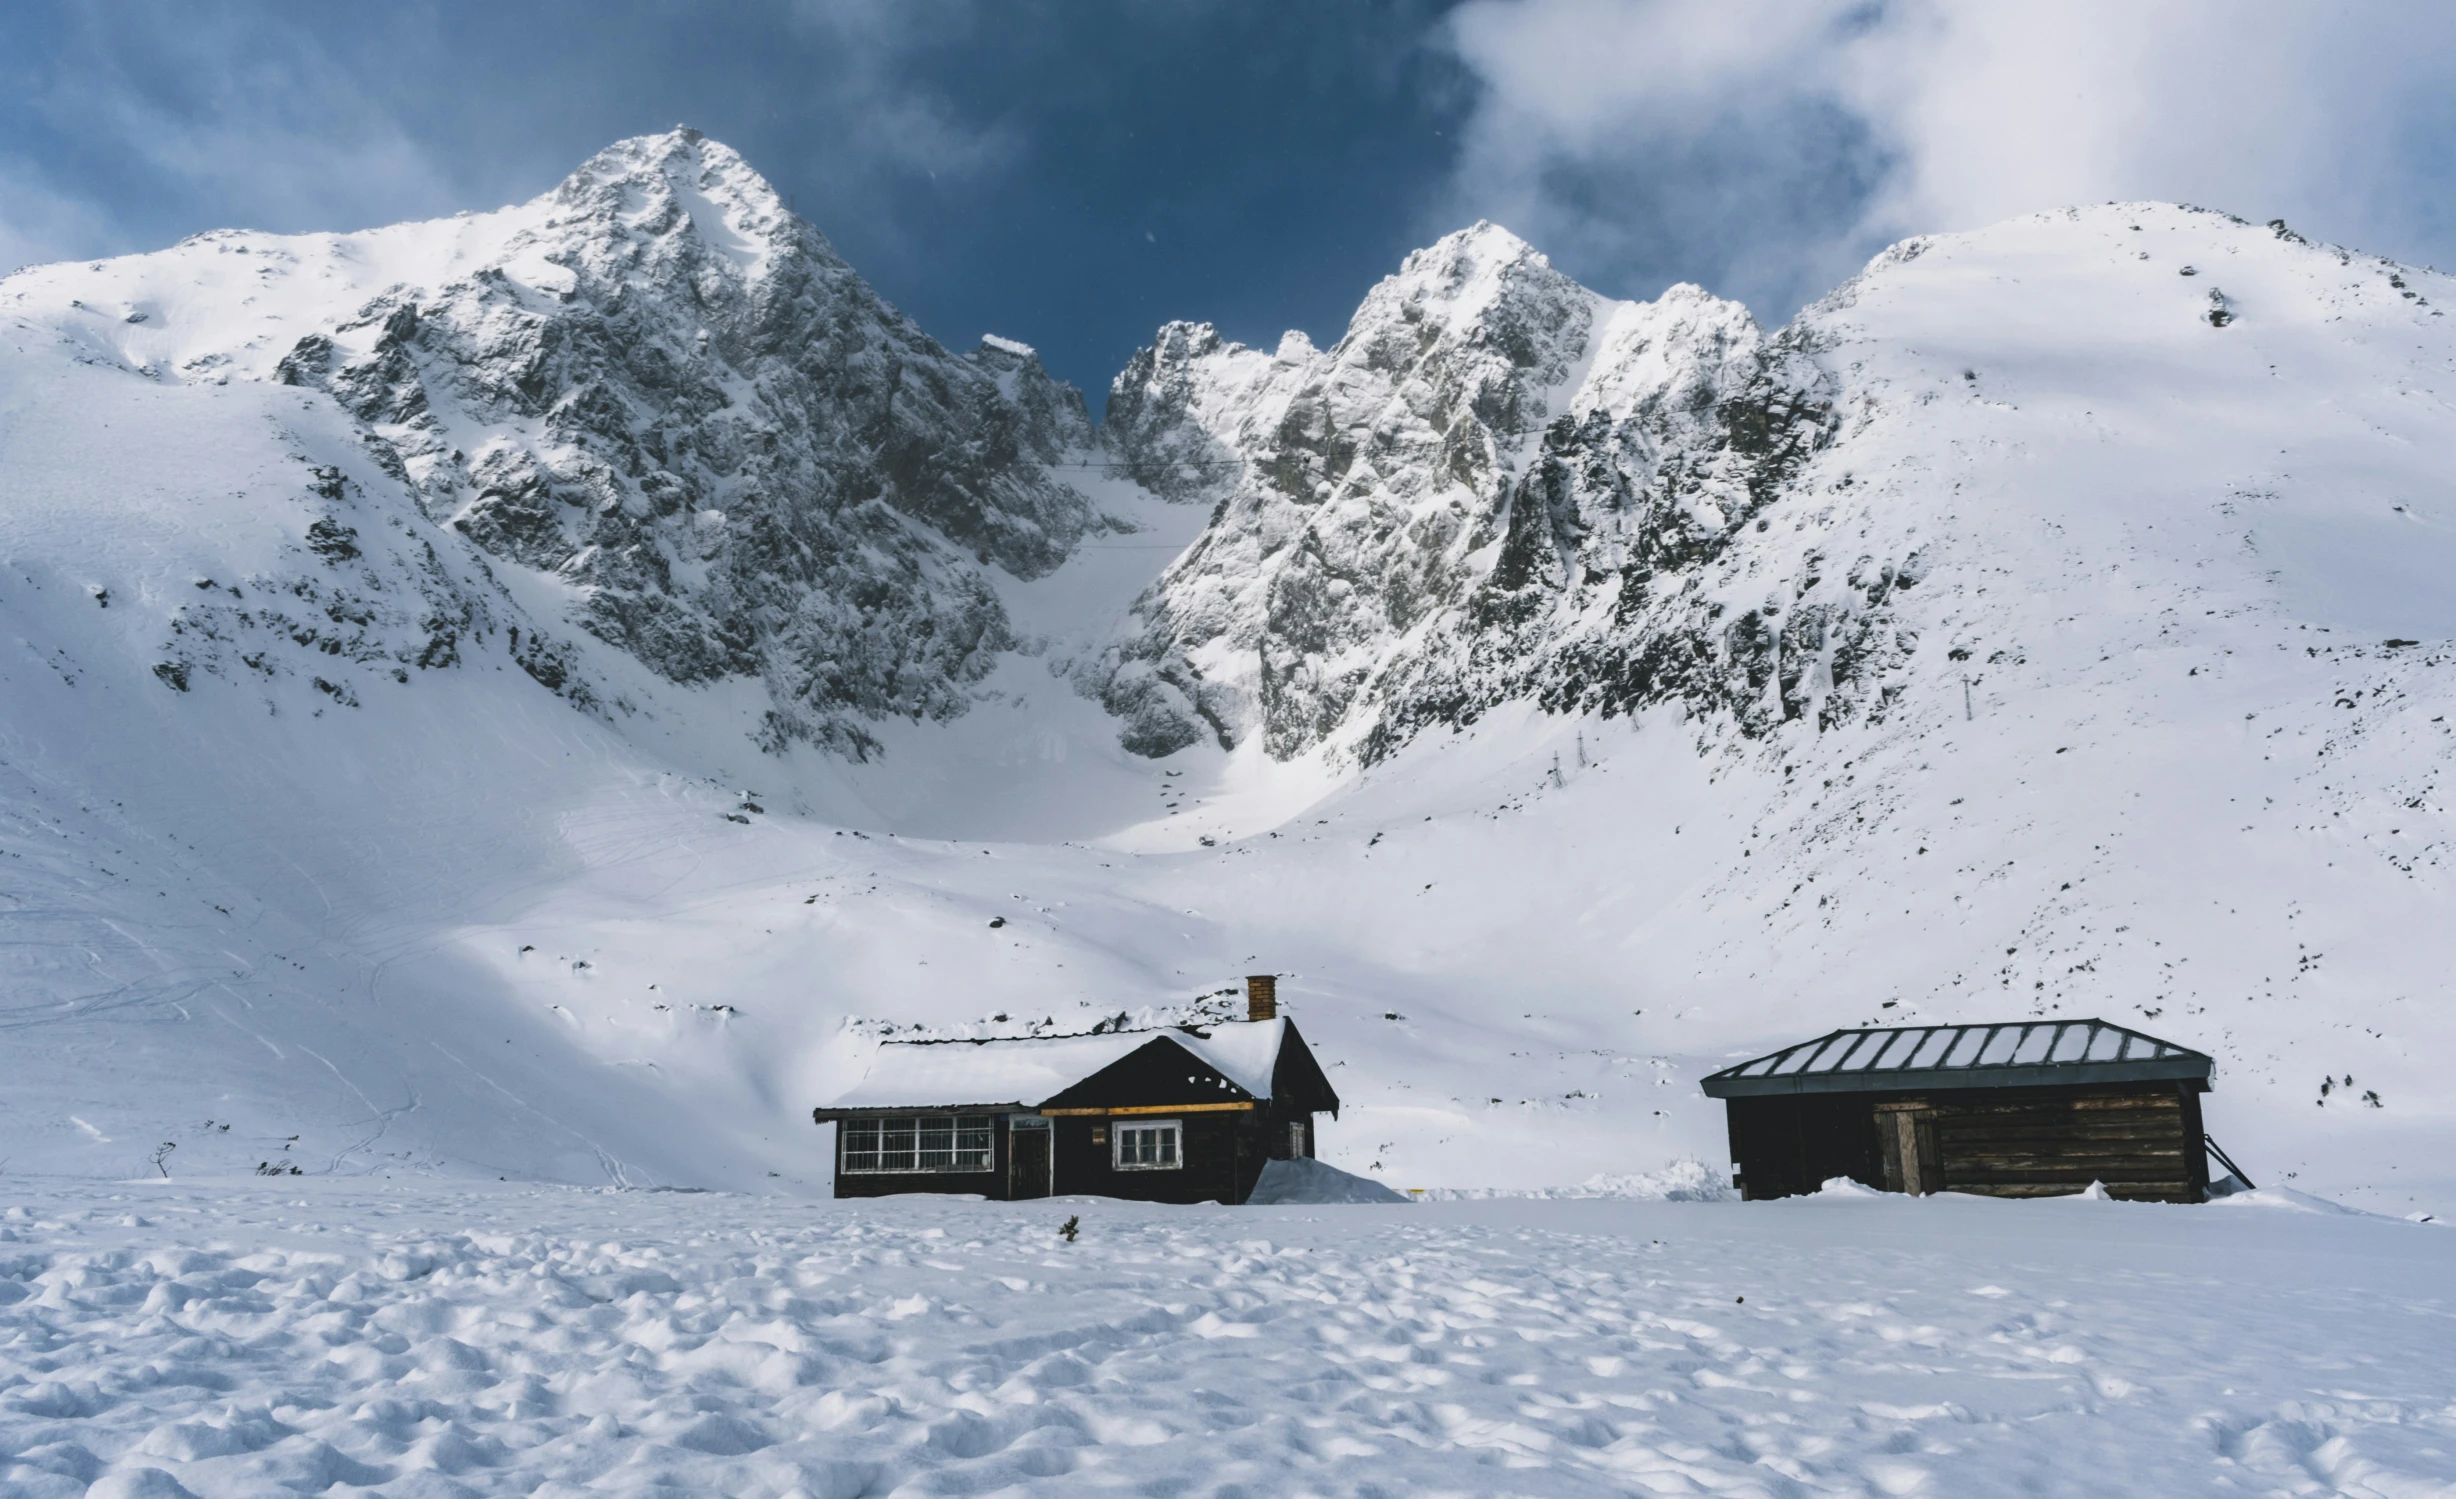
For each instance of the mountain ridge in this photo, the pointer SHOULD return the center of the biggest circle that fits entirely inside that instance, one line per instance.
(660, 389)
(2009, 635)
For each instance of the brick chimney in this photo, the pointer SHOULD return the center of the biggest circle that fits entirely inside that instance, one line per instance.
(1262, 996)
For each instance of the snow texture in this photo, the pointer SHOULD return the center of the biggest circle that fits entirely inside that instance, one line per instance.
(243, 1339)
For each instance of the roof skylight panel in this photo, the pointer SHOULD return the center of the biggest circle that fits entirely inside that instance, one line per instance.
(1968, 1042)
(1932, 1048)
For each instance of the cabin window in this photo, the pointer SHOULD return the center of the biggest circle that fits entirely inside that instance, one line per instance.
(1145, 1146)
(923, 1142)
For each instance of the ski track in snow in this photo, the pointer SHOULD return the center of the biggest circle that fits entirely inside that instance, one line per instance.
(425, 1339)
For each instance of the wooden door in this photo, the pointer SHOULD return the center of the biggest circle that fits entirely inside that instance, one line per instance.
(1906, 1140)
(1027, 1165)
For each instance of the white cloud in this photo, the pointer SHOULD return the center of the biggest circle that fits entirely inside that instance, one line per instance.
(2260, 107)
(136, 123)
(39, 224)
(260, 124)
(867, 50)
(1778, 142)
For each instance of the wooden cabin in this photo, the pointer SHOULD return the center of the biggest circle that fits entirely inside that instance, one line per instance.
(1183, 1114)
(2034, 1108)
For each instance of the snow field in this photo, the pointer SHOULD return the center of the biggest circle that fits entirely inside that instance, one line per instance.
(242, 1338)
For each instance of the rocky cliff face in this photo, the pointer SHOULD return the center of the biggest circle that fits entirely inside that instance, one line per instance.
(654, 407)
(662, 390)
(1497, 485)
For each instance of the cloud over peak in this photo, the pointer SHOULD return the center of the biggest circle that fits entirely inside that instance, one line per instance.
(1766, 146)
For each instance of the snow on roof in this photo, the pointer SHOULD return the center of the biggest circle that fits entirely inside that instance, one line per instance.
(1021, 1071)
(1245, 1051)
(2014, 1054)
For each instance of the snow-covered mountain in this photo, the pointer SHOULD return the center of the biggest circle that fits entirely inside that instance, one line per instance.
(1408, 521)
(660, 394)
(536, 692)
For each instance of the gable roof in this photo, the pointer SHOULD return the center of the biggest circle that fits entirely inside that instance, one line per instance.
(2014, 1054)
(1023, 1072)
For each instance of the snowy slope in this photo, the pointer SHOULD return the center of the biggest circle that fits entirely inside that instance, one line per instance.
(2006, 636)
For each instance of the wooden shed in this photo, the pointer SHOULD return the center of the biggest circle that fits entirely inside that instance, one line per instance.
(1182, 1114)
(2033, 1108)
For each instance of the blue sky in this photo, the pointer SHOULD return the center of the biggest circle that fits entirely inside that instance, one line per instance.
(1074, 174)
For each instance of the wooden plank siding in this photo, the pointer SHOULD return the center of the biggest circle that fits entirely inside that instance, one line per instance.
(1226, 1133)
(2143, 1144)
(2142, 1141)
(991, 1183)
(1223, 1155)
(1223, 1151)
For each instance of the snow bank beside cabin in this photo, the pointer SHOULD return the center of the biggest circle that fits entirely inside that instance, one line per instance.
(1307, 1181)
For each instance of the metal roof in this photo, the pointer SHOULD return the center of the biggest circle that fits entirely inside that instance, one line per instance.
(2016, 1054)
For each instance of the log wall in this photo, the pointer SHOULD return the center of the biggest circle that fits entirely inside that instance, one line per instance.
(2144, 1142)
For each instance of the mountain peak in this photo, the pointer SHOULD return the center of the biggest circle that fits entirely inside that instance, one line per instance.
(1482, 255)
(664, 182)
(682, 153)
(1479, 284)
(1484, 239)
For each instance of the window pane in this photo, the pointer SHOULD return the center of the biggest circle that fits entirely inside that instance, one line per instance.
(895, 1149)
(937, 1143)
(860, 1139)
(973, 1149)
(1147, 1146)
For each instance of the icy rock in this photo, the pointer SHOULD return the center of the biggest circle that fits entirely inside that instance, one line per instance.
(1497, 485)
(707, 352)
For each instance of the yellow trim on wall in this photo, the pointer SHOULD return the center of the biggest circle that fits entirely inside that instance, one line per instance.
(1156, 1108)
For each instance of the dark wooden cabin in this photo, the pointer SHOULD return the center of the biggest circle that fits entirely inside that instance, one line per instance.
(1184, 1114)
(2035, 1108)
